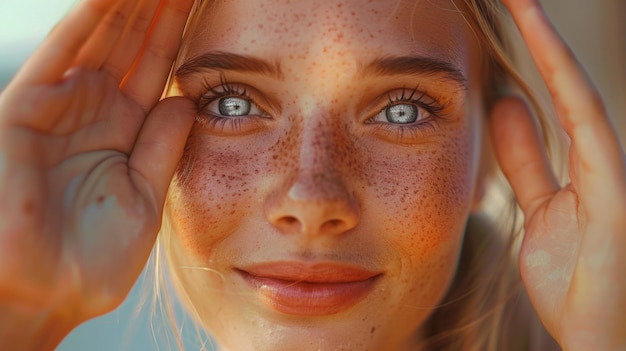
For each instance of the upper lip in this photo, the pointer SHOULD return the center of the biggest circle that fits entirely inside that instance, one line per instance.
(323, 272)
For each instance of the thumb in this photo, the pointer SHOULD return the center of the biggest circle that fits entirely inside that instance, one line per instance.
(160, 145)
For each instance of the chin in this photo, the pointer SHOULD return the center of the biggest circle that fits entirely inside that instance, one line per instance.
(305, 336)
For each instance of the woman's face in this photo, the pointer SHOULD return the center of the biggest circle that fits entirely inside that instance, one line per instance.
(323, 194)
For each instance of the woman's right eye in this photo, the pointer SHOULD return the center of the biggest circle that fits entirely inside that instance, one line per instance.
(233, 106)
(229, 110)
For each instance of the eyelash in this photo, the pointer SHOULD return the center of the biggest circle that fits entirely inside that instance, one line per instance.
(222, 123)
(404, 133)
(433, 107)
(409, 133)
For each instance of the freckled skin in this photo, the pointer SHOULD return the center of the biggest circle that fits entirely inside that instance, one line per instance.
(233, 199)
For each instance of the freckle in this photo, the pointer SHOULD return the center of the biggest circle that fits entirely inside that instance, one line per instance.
(28, 207)
(100, 199)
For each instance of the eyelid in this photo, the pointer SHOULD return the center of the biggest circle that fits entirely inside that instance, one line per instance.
(218, 124)
(225, 89)
(413, 96)
(210, 93)
(410, 133)
(214, 95)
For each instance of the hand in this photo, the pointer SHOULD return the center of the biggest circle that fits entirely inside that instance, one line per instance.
(87, 152)
(572, 257)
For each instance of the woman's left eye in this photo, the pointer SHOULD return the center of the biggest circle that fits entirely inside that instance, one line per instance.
(408, 117)
(407, 108)
(399, 114)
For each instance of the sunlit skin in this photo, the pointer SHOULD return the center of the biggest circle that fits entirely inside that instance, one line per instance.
(316, 186)
(315, 177)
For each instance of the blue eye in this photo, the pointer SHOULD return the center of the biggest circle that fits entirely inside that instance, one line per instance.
(228, 109)
(228, 100)
(407, 108)
(234, 106)
(408, 117)
(401, 113)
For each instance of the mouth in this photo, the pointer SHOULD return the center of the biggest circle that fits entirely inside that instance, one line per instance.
(313, 290)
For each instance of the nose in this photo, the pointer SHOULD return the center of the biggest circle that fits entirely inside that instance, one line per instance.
(313, 204)
(314, 198)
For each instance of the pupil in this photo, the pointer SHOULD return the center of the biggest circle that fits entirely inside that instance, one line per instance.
(234, 106)
(401, 114)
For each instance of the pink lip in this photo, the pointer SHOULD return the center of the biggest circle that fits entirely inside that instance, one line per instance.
(305, 289)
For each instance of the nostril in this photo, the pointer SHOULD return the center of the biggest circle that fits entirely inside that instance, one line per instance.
(333, 225)
(288, 224)
(289, 219)
(334, 222)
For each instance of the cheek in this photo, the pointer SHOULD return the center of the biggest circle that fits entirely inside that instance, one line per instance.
(211, 193)
(417, 206)
(221, 185)
(421, 199)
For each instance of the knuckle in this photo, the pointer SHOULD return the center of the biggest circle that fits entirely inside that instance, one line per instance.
(141, 23)
(116, 19)
(161, 51)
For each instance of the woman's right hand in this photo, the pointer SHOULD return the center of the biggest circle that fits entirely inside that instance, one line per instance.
(87, 152)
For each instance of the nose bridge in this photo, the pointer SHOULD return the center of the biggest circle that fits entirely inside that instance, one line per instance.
(318, 150)
(315, 198)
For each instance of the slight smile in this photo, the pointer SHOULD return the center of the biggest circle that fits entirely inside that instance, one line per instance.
(305, 289)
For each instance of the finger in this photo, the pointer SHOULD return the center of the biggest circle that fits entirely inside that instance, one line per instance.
(107, 34)
(521, 155)
(160, 145)
(146, 81)
(126, 49)
(579, 107)
(57, 53)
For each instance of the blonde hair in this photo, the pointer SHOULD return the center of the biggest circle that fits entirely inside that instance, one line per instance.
(485, 308)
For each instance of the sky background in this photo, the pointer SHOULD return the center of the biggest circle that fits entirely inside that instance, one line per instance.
(23, 24)
(596, 30)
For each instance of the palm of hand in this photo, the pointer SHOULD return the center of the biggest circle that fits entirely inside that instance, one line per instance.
(569, 265)
(107, 210)
(87, 151)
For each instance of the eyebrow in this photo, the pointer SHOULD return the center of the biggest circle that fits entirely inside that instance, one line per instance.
(407, 65)
(383, 66)
(226, 61)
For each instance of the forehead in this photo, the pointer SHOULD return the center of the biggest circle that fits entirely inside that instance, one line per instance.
(311, 30)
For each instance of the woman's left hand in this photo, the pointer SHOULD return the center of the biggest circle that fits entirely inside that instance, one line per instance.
(572, 259)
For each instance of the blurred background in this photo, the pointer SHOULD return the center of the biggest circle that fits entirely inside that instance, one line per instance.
(596, 31)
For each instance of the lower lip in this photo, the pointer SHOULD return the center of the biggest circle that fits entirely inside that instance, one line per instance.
(312, 299)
